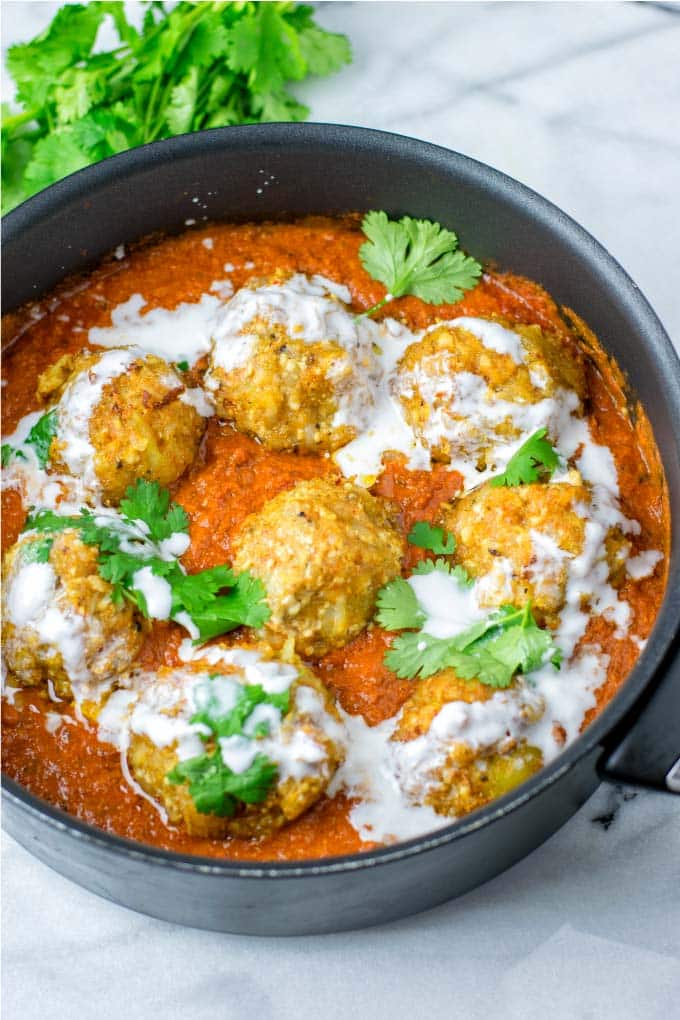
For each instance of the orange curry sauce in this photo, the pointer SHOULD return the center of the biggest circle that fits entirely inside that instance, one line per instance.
(234, 476)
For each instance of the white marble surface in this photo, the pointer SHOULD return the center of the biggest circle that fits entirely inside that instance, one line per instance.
(580, 101)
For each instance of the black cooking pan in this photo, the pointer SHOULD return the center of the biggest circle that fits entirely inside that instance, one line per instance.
(325, 169)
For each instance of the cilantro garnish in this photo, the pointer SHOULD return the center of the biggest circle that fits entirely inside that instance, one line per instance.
(37, 551)
(536, 458)
(415, 257)
(216, 790)
(40, 438)
(213, 786)
(147, 502)
(199, 65)
(398, 607)
(183, 366)
(443, 566)
(437, 540)
(217, 600)
(231, 723)
(507, 642)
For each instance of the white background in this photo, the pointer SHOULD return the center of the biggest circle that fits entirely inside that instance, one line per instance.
(581, 102)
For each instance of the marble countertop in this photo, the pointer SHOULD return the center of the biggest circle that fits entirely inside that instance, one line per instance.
(579, 101)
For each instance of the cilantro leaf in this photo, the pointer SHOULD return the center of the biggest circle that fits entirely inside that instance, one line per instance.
(215, 789)
(244, 605)
(41, 435)
(536, 458)
(49, 521)
(37, 551)
(216, 599)
(398, 607)
(414, 655)
(437, 540)
(459, 573)
(416, 257)
(40, 438)
(147, 502)
(231, 723)
(493, 650)
(194, 66)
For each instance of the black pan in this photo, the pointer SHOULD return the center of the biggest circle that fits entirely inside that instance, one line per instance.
(325, 169)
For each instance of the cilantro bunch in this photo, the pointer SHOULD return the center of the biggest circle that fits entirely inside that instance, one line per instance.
(199, 65)
(493, 650)
(415, 257)
(214, 787)
(216, 600)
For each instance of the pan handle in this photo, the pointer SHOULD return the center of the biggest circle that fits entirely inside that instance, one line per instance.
(647, 752)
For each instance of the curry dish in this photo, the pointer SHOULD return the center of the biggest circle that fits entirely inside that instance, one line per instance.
(283, 580)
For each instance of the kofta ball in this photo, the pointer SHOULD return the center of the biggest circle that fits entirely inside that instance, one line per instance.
(322, 550)
(305, 742)
(121, 416)
(521, 540)
(471, 384)
(459, 744)
(292, 366)
(60, 626)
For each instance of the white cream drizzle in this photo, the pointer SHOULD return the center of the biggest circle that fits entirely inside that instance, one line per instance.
(183, 333)
(312, 310)
(78, 401)
(388, 777)
(643, 564)
(161, 711)
(34, 604)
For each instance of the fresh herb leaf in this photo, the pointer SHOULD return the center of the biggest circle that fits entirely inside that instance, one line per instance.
(416, 655)
(416, 257)
(536, 458)
(506, 642)
(216, 600)
(37, 551)
(231, 723)
(195, 66)
(398, 607)
(244, 605)
(183, 366)
(147, 502)
(437, 540)
(41, 435)
(48, 521)
(216, 790)
(459, 573)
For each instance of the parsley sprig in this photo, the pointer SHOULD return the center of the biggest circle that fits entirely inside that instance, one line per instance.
(40, 438)
(415, 257)
(199, 65)
(536, 458)
(216, 600)
(213, 786)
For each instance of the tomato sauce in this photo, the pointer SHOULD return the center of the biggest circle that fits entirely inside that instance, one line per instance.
(234, 476)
